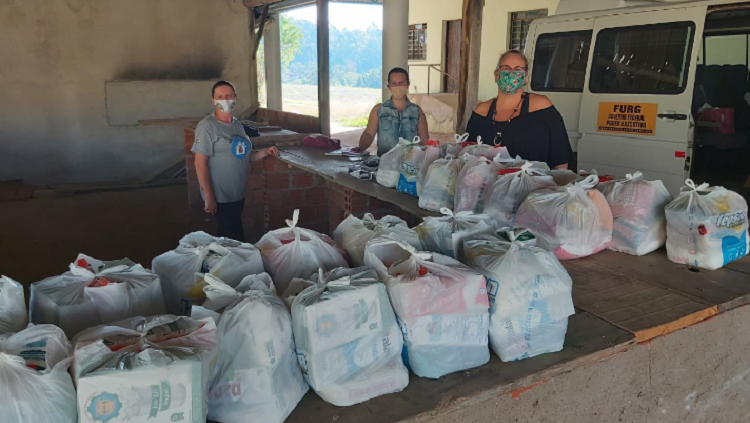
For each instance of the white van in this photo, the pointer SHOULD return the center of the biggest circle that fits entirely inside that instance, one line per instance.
(661, 88)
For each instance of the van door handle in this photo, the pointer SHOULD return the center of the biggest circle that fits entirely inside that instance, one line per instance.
(672, 116)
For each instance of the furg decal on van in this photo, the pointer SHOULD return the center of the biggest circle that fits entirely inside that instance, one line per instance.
(627, 118)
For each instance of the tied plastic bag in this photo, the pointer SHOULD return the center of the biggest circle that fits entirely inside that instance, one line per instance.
(439, 188)
(199, 253)
(472, 183)
(572, 221)
(511, 189)
(145, 369)
(564, 177)
(640, 225)
(479, 149)
(389, 169)
(431, 153)
(95, 292)
(294, 252)
(348, 342)
(13, 317)
(706, 226)
(413, 156)
(445, 234)
(353, 234)
(455, 147)
(42, 347)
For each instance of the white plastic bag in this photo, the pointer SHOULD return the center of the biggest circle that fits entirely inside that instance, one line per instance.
(440, 184)
(511, 189)
(294, 252)
(706, 226)
(94, 292)
(455, 147)
(198, 253)
(564, 177)
(531, 296)
(431, 153)
(410, 165)
(41, 346)
(348, 342)
(13, 317)
(572, 221)
(441, 305)
(389, 169)
(479, 148)
(445, 234)
(353, 234)
(640, 225)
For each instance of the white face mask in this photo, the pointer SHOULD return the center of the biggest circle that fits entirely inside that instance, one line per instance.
(225, 105)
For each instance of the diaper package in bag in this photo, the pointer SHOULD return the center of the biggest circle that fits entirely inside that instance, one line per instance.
(389, 169)
(512, 187)
(640, 225)
(441, 305)
(95, 292)
(706, 226)
(445, 234)
(13, 316)
(572, 221)
(439, 189)
(431, 153)
(348, 342)
(410, 165)
(530, 295)
(353, 234)
(199, 253)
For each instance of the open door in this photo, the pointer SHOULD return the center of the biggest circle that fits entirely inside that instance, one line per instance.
(636, 107)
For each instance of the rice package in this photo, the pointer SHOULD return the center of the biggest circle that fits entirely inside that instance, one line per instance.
(445, 234)
(95, 292)
(13, 316)
(439, 189)
(348, 342)
(512, 187)
(640, 225)
(410, 165)
(389, 170)
(572, 221)
(706, 226)
(198, 253)
(294, 252)
(441, 305)
(353, 234)
(530, 295)
(431, 153)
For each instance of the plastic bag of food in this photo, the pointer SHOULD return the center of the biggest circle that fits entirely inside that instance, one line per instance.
(13, 317)
(512, 187)
(353, 234)
(706, 226)
(41, 346)
(445, 234)
(95, 292)
(564, 177)
(440, 184)
(441, 305)
(410, 165)
(531, 295)
(348, 342)
(640, 225)
(572, 221)
(455, 147)
(294, 252)
(389, 169)
(431, 153)
(479, 149)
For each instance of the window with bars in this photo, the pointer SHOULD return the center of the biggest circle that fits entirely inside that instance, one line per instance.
(417, 48)
(519, 27)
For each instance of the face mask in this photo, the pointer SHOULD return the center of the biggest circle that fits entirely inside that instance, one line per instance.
(399, 92)
(225, 105)
(510, 82)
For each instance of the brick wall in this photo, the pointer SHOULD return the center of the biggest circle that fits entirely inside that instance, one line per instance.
(291, 121)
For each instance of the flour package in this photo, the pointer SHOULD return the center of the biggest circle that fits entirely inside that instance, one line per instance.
(512, 187)
(479, 149)
(294, 252)
(348, 342)
(441, 305)
(455, 147)
(95, 292)
(198, 252)
(410, 166)
(431, 153)
(439, 189)
(640, 225)
(530, 295)
(706, 226)
(446, 234)
(353, 234)
(474, 181)
(389, 169)
(34, 377)
(145, 369)
(13, 316)
(572, 221)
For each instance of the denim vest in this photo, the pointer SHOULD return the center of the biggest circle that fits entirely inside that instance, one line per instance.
(393, 124)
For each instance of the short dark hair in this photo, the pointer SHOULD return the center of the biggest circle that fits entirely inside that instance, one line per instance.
(222, 84)
(399, 70)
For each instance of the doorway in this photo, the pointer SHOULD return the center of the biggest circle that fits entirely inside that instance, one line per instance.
(452, 56)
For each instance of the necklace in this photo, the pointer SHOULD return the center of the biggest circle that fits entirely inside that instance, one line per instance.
(499, 134)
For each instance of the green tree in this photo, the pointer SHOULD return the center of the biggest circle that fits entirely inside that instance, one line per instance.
(291, 44)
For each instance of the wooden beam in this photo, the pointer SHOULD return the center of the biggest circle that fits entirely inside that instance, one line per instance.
(324, 83)
(251, 4)
(471, 44)
(259, 35)
(253, 79)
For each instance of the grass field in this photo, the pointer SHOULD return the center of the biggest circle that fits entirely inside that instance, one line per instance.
(350, 107)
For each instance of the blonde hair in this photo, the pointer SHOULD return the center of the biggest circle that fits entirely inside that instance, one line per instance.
(508, 53)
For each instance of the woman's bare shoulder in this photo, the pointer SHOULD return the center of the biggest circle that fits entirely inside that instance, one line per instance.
(538, 102)
(483, 108)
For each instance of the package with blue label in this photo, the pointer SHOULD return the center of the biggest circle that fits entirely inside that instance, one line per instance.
(445, 234)
(199, 253)
(530, 294)
(441, 305)
(353, 234)
(410, 166)
(439, 188)
(348, 342)
(389, 169)
(13, 315)
(706, 226)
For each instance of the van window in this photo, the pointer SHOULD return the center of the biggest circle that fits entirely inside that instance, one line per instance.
(645, 59)
(560, 61)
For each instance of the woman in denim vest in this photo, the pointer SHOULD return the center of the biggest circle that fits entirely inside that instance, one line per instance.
(395, 118)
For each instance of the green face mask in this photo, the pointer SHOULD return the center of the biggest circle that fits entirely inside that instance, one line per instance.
(510, 82)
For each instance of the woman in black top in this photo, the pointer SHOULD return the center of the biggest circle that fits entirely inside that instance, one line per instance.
(527, 124)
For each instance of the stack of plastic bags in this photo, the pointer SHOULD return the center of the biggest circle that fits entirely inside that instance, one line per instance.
(198, 253)
(446, 234)
(151, 369)
(13, 316)
(348, 342)
(637, 205)
(389, 169)
(431, 153)
(439, 189)
(572, 221)
(410, 166)
(95, 292)
(441, 305)
(530, 295)
(353, 234)
(36, 386)
(294, 252)
(511, 189)
(706, 226)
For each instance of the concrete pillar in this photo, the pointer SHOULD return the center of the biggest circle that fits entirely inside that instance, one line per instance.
(395, 37)
(272, 48)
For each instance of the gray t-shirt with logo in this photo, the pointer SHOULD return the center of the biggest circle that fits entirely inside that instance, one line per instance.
(228, 150)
